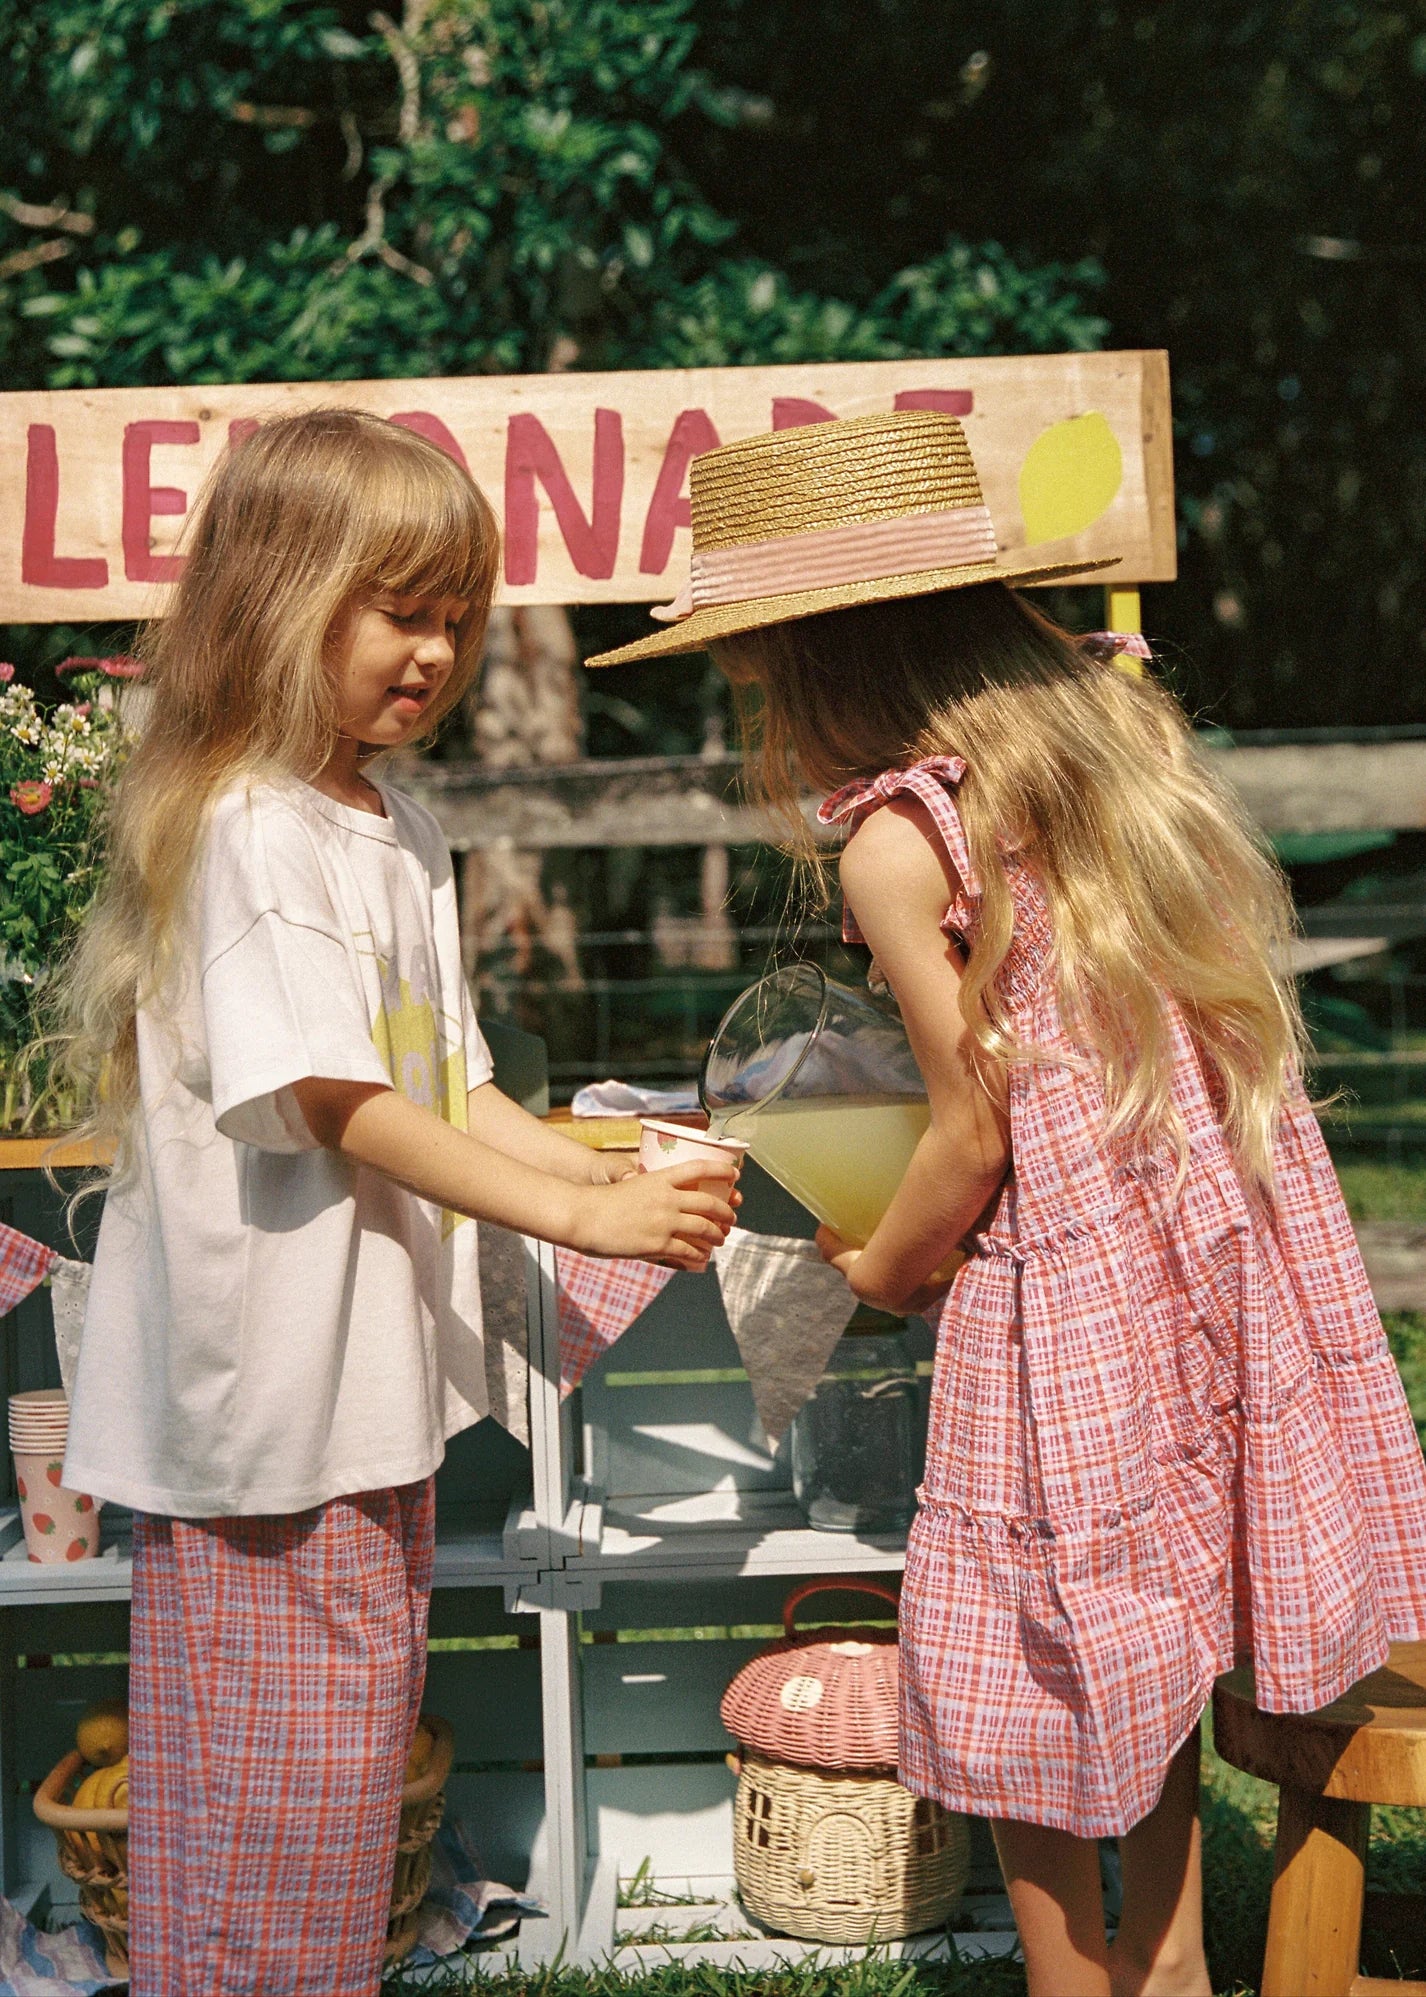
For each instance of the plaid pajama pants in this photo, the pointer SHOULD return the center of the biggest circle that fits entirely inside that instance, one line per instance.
(277, 1665)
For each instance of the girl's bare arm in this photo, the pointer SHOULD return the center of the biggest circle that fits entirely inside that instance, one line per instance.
(502, 1124)
(659, 1215)
(899, 882)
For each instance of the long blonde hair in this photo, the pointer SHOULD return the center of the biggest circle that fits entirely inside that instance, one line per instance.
(306, 518)
(1158, 888)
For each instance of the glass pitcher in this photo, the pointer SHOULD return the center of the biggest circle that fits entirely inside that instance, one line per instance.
(821, 1083)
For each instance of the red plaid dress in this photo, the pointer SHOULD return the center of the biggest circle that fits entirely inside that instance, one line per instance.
(275, 1682)
(1166, 1432)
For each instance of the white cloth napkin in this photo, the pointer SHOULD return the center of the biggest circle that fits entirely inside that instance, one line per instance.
(624, 1099)
(787, 1308)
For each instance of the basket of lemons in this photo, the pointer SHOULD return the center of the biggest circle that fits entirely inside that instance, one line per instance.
(423, 1804)
(92, 1827)
(84, 1800)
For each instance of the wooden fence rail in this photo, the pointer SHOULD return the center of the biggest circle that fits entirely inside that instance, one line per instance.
(694, 800)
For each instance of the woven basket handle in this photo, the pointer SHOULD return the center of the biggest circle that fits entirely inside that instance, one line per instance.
(848, 1585)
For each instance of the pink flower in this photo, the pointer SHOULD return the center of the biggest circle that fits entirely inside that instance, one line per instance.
(117, 666)
(7, 672)
(31, 797)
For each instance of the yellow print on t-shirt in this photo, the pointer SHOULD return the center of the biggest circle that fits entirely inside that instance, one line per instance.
(407, 1034)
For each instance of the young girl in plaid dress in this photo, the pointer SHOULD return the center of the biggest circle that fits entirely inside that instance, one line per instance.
(1166, 1433)
(284, 1316)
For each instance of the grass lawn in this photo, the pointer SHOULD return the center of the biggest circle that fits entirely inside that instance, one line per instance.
(1238, 1817)
(1376, 1190)
(1238, 1812)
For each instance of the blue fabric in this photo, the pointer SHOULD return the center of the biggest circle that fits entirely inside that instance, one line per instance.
(461, 1906)
(69, 1964)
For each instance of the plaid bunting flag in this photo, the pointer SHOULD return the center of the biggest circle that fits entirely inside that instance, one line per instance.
(24, 1264)
(598, 1300)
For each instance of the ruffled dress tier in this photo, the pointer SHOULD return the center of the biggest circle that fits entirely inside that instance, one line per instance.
(1166, 1433)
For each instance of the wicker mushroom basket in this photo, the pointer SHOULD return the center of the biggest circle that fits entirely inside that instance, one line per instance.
(827, 1845)
(94, 1850)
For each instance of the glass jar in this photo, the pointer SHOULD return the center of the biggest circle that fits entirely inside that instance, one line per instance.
(854, 1443)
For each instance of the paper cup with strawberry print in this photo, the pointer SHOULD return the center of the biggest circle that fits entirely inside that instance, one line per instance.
(60, 1524)
(38, 1418)
(665, 1144)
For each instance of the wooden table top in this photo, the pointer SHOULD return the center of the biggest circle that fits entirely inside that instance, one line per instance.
(601, 1133)
(615, 1133)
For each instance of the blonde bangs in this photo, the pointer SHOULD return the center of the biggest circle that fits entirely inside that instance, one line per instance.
(424, 528)
(427, 531)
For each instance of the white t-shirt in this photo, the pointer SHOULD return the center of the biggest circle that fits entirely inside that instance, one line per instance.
(269, 1324)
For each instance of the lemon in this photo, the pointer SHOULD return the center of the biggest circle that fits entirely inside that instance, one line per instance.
(85, 1796)
(104, 1788)
(102, 1736)
(101, 1789)
(419, 1759)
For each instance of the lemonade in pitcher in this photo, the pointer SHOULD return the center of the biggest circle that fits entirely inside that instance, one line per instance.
(820, 1083)
(843, 1156)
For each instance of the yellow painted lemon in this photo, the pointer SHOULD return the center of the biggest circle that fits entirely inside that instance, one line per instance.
(1070, 475)
(102, 1736)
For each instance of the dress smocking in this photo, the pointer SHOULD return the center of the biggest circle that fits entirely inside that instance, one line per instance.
(1166, 1433)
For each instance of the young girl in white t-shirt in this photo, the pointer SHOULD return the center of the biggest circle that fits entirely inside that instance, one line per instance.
(284, 1319)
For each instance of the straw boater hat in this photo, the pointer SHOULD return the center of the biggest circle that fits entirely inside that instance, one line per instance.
(829, 515)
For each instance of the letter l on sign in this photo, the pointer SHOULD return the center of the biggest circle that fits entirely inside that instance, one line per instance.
(39, 564)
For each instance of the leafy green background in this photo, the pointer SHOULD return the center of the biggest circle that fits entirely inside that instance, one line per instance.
(260, 189)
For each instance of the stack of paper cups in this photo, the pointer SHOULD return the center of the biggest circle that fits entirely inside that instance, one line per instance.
(59, 1524)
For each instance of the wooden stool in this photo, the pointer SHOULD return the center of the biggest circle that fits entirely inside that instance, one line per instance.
(1367, 1747)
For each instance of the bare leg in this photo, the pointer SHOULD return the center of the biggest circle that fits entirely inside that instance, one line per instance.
(1158, 1951)
(1053, 1881)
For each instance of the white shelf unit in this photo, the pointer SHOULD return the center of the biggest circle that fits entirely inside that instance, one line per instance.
(674, 1537)
(474, 1549)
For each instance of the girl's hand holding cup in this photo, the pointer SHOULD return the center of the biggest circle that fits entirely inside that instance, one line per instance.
(678, 1216)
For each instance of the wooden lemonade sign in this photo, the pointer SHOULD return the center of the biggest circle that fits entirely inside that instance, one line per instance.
(589, 471)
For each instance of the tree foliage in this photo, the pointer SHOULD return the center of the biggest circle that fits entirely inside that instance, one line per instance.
(1253, 181)
(244, 190)
(269, 189)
